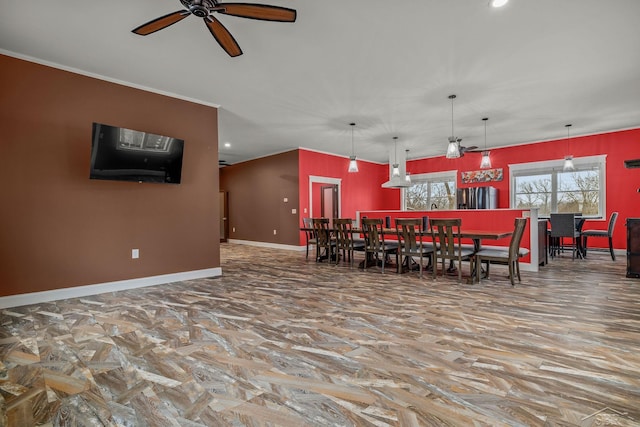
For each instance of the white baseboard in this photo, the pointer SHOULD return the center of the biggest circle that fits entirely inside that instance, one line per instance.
(268, 245)
(121, 285)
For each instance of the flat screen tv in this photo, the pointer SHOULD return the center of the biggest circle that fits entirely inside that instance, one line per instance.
(120, 154)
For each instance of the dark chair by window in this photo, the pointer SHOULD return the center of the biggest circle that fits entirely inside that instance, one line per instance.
(511, 256)
(601, 233)
(376, 249)
(309, 234)
(345, 241)
(410, 244)
(325, 243)
(563, 225)
(446, 236)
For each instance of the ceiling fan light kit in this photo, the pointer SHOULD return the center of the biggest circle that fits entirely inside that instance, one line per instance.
(206, 8)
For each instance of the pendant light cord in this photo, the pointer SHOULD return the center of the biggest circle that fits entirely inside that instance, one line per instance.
(485, 133)
(352, 146)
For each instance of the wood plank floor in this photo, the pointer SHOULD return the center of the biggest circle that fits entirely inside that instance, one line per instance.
(295, 343)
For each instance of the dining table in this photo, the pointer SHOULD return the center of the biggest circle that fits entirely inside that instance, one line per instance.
(475, 235)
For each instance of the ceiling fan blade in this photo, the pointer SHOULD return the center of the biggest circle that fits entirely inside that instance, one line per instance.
(223, 36)
(160, 23)
(263, 12)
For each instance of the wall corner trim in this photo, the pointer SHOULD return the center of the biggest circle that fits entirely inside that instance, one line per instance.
(121, 285)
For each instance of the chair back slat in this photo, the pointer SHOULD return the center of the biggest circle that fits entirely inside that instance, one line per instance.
(612, 223)
(373, 235)
(344, 235)
(409, 232)
(321, 230)
(446, 232)
(563, 225)
(516, 238)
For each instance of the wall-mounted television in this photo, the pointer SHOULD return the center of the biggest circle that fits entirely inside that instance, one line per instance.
(121, 154)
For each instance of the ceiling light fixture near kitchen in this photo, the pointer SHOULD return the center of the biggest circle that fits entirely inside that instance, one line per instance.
(485, 163)
(353, 165)
(498, 3)
(453, 152)
(568, 159)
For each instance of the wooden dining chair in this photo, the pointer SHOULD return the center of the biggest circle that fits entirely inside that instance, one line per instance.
(410, 244)
(601, 233)
(446, 236)
(510, 255)
(345, 241)
(325, 246)
(309, 234)
(376, 249)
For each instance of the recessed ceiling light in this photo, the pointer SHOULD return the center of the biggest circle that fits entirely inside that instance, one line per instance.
(498, 3)
(227, 144)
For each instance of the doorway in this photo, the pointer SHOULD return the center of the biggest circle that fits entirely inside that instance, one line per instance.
(224, 214)
(329, 202)
(324, 197)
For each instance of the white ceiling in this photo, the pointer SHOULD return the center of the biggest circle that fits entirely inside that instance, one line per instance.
(389, 66)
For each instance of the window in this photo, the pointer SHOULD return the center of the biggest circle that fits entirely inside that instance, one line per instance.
(544, 185)
(431, 191)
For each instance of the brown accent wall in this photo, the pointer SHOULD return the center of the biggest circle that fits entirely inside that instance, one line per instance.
(257, 190)
(60, 229)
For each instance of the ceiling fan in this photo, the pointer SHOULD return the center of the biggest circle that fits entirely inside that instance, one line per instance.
(471, 149)
(205, 9)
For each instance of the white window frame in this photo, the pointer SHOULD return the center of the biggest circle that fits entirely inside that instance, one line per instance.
(430, 177)
(554, 166)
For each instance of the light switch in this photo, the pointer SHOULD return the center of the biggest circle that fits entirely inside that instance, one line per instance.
(286, 200)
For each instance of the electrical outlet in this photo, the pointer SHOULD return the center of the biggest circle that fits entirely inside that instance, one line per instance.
(286, 200)
(275, 232)
(233, 229)
(294, 211)
(135, 253)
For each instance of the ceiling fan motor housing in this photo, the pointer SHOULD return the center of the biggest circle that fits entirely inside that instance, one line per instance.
(199, 8)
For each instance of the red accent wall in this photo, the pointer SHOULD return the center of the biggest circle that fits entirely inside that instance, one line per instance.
(622, 184)
(359, 191)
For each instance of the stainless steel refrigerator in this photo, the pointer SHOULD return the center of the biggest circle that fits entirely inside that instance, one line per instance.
(477, 198)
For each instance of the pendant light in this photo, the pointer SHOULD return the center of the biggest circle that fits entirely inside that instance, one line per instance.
(568, 159)
(453, 150)
(485, 163)
(407, 175)
(395, 172)
(353, 165)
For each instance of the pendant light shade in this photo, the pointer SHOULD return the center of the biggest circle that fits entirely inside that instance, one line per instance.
(353, 164)
(453, 149)
(395, 172)
(485, 163)
(568, 159)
